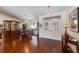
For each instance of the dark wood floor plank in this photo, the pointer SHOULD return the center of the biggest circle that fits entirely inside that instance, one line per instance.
(24, 46)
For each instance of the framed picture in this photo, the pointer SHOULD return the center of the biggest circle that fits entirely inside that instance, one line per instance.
(74, 20)
(40, 25)
(55, 26)
(46, 25)
(54, 21)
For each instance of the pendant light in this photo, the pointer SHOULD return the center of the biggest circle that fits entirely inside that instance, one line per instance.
(49, 11)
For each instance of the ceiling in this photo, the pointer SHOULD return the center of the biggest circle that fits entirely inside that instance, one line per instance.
(31, 12)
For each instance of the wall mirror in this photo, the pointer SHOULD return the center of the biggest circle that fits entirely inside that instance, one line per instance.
(74, 20)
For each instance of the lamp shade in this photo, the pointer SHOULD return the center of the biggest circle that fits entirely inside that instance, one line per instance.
(66, 25)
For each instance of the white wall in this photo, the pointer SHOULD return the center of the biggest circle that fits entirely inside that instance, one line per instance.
(64, 19)
(50, 33)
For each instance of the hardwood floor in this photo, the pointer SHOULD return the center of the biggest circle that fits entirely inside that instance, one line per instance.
(24, 46)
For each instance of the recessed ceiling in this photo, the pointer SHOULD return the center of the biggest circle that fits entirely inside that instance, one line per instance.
(32, 12)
